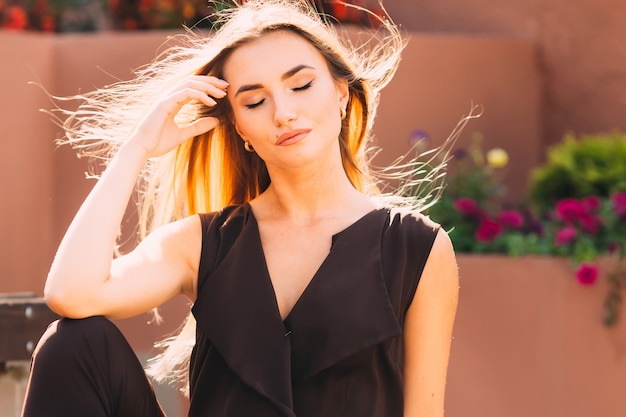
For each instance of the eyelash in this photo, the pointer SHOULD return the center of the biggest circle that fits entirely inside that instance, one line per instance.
(301, 88)
(304, 87)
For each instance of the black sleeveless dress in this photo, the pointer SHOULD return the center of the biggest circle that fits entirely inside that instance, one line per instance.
(338, 353)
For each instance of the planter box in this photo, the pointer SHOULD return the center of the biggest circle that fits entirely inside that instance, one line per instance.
(529, 341)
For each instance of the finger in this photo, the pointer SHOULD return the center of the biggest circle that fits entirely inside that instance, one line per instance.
(205, 87)
(176, 101)
(223, 84)
(205, 83)
(199, 127)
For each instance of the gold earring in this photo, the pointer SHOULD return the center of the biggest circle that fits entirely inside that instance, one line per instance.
(342, 112)
(247, 146)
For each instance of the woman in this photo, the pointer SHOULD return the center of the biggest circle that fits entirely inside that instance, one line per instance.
(262, 212)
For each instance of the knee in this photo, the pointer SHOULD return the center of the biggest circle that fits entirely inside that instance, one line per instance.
(69, 334)
(90, 326)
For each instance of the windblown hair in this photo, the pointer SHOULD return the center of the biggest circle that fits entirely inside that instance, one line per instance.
(212, 170)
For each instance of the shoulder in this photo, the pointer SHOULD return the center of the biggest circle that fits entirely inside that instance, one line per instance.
(402, 214)
(440, 275)
(408, 240)
(227, 216)
(442, 257)
(412, 226)
(430, 235)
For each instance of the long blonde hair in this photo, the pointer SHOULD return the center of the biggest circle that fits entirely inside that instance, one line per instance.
(213, 170)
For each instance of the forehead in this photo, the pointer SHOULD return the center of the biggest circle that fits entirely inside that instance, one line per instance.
(271, 55)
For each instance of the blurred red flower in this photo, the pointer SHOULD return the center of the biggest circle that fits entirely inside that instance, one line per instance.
(565, 236)
(569, 210)
(488, 230)
(511, 219)
(590, 223)
(467, 207)
(587, 273)
(15, 18)
(591, 203)
(618, 199)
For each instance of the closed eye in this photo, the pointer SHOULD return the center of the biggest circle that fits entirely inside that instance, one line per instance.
(255, 105)
(304, 87)
(301, 88)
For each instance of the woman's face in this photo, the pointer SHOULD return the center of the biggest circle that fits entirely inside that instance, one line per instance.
(285, 102)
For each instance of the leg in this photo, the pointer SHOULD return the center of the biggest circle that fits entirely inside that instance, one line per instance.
(87, 368)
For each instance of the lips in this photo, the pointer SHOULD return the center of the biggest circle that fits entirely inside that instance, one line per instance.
(292, 137)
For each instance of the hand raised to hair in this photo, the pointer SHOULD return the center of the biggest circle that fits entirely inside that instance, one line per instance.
(158, 133)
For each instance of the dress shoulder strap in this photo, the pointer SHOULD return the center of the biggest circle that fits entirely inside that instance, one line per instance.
(406, 245)
(220, 229)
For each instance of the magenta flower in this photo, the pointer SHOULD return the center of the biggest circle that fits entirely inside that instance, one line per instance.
(587, 273)
(590, 224)
(618, 199)
(487, 230)
(569, 210)
(467, 207)
(565, 236)
(511, 219)
(591, 203)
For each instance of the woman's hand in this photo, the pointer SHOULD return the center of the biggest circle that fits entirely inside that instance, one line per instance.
(158, 133)
(83, 280)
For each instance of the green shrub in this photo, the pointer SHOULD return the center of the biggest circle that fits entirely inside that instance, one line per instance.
(580, 167)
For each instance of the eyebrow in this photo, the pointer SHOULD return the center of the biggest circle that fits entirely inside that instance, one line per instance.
(286, 75)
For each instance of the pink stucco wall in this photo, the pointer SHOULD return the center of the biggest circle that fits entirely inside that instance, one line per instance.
(44, 186)
(581, 49)
(438, 79)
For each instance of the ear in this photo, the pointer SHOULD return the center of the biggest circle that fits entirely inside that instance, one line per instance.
(344, 92)
(239, 132)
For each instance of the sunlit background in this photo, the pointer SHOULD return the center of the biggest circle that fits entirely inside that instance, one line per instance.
(536, 197)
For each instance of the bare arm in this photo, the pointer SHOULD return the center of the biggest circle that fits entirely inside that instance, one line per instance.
(428, 332)
(84, 279)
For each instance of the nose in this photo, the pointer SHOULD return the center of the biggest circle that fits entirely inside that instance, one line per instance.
(284, 111)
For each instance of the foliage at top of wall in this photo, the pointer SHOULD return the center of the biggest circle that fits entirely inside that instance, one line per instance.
(97, 15)
(580, 167)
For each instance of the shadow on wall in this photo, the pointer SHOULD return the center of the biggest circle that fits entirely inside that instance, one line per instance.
(580, 46)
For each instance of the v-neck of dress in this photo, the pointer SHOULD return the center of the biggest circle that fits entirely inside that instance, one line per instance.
(266, 273)
(345, 308)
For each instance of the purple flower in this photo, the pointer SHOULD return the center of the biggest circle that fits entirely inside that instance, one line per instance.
(511, 219)
(565, 236)
(613, 247)
(467, 207)
(487, 230)
(460, 153)
(587, 273)
(418, 136)
(535, 226)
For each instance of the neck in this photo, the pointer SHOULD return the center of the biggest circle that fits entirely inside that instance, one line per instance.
(307, 194)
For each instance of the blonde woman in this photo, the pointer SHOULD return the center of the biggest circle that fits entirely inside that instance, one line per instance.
(258, 205)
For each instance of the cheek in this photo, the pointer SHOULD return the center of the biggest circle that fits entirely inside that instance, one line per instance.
(240, 122)
(330, 113)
